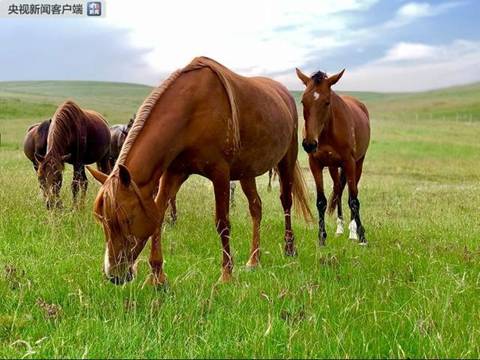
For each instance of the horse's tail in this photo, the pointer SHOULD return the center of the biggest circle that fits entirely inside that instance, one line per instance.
(299, 190)
(332, 202)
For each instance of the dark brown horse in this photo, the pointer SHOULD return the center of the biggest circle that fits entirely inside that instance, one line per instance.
(336, 135)
(205, 120)
(36, 141)
(77, 137)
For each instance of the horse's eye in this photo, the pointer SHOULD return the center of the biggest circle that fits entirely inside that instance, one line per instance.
(327, 103)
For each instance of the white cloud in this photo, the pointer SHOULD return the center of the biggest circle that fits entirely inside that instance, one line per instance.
(245, 35)
(434, 67)
(415, 10)
(409, 51)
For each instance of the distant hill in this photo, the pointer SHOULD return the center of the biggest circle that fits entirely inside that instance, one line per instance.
(36, 100)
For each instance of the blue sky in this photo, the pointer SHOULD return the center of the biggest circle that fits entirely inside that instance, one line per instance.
(385, 45)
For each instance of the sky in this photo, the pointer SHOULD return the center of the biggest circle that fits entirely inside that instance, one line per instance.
(384, 45)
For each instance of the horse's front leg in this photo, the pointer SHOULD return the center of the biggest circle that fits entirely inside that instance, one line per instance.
(79, 183)
(169, 184)
(317, 172)
(356, 224)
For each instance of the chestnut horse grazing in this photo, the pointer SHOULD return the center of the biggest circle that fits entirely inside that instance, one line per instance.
(77, 137)
(204, 119)
(337, 134)
(36, 141)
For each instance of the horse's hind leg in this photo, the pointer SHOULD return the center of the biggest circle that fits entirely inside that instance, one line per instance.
(270, 174)
(353, 172)
(232, 193)
(285, 172)
(173, 209)
(105, 164)
(249, 187)
(339, 182)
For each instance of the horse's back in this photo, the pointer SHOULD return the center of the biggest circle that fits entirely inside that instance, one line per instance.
(268, 123)
(361, 121)
(29, 142)
(259, 114)
(98, 136)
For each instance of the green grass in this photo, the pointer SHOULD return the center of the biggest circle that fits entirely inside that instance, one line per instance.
(413, 292)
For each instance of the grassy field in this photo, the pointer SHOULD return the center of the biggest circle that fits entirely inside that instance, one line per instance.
(413, 292)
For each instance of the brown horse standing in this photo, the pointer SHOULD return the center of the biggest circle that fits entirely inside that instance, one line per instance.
(205, 120)
(337, 134)
(77, 137)
(36, 141)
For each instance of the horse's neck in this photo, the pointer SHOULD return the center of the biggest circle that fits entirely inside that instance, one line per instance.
(157, 144)
(335, 119)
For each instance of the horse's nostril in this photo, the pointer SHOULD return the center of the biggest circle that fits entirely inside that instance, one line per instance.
(309, 147)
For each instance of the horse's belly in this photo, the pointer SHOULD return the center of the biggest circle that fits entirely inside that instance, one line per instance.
(261, 150)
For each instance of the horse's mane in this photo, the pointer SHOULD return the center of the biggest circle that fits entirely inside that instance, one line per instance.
(318, 77)
(67, 114)
(224, 75)
(146, 108)
(143, 113)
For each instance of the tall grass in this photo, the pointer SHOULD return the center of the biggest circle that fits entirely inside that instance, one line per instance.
(413, 292)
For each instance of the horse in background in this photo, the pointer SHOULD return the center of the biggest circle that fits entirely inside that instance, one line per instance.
(77, 137)
(336, 135)
(207, 120)
(36, 141)
(118, 134)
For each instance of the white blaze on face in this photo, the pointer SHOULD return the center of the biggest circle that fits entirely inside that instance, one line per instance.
(106, 263)
(316, 95)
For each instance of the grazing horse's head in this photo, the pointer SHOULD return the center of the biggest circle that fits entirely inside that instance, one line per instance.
(128, 220)
(49, 174)
(316, 105)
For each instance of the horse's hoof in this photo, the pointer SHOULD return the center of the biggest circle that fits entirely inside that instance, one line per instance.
(363, 243)
(322, 242)
(291, 252)
(226, 277)
(251, 265)
(159, 282)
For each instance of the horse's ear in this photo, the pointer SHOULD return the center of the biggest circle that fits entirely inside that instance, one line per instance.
(305, 79)
(332, 80)
(97, 174)
(39, 157)
(124, 174)
(66, 157)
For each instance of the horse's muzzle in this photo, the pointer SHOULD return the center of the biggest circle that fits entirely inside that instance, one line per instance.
(309, 147)
(117, 280)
